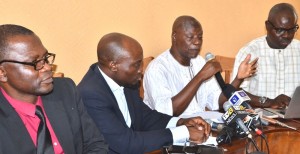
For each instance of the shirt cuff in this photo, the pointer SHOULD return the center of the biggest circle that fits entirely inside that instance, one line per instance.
(172, 123)
(180, 134)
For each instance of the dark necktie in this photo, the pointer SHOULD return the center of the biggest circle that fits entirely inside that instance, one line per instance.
(44, 142)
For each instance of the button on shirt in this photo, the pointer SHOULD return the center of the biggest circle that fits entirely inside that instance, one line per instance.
(26, 111)
(278, 70)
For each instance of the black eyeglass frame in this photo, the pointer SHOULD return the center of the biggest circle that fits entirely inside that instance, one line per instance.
(280, 31)
(34, 63)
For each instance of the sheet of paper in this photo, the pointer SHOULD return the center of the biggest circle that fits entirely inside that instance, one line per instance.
(210, 141)
(213, 115)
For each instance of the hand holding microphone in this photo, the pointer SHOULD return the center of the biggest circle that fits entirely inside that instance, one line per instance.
(233, 116)
(212, 64)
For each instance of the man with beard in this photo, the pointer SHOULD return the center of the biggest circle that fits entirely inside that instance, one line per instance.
(179, 82)
(278, 72)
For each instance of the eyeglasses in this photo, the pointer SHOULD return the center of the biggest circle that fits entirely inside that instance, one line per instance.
(38, 64)
(281, 31)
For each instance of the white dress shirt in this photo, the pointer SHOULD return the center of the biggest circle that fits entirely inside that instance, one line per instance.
(120, 97)
(180, 134)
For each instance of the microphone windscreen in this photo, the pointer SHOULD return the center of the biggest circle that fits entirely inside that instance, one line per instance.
(209, 56)
(226, 105)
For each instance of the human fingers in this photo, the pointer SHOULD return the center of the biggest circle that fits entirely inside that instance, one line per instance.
(247, 58)
(206, 127)
(196, 136)
(254, 62)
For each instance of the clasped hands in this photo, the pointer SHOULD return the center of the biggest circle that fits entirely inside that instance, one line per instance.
(198, 128)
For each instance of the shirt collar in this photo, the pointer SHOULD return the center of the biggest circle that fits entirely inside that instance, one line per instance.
(111, 83)
(175, 62)
(22, 107)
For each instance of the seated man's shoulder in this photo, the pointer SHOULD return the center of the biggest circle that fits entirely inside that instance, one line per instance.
(63, 81)
(63, 84)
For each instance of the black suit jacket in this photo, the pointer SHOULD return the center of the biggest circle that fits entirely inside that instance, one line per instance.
(75, 130)
(148, 129)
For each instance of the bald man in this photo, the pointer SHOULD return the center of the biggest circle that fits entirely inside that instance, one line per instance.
(110, 94)
(179, 82)
(279, 59)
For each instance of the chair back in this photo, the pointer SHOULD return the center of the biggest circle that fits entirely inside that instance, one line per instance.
(227, 66)
(58, 75)
(55, 73)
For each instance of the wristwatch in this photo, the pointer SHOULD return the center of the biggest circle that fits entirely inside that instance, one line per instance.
(262, 100)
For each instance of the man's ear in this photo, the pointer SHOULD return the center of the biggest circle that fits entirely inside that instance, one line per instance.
(173, 37)
(267, 25)
(3, 77)
(113, 66)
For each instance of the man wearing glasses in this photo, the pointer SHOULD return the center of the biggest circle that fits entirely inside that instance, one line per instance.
(278, 72)
(39, 114)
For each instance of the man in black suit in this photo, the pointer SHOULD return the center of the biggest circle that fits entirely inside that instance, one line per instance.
(32, 101)
(112, 99)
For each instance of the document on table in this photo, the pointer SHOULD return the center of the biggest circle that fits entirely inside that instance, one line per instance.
(210, 141)
(212, 115)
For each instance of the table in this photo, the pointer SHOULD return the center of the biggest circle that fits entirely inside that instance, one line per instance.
(280, 140)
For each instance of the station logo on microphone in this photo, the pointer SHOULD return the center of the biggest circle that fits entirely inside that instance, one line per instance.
(234, 99)
(242, 93)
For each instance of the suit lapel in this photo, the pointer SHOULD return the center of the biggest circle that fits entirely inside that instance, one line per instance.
(103, 84)
(19, 136)
(59, 122)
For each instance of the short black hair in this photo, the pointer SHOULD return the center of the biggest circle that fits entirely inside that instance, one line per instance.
(10, 30)
(282, 7)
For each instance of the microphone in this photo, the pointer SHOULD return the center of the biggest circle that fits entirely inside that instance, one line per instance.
(215, 126)
(257, 131)
(252, 115)
(238, 96)
(252, 119)
(235, 113)
(232, 114)
(243, 127)
(209, 56)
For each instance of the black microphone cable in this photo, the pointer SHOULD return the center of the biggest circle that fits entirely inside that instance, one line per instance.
(257, 150)
(225, 135)
(263, 140)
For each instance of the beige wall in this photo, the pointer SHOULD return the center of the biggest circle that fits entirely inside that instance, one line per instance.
(72, 29)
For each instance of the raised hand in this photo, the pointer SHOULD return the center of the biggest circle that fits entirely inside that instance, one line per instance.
(247, 68)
